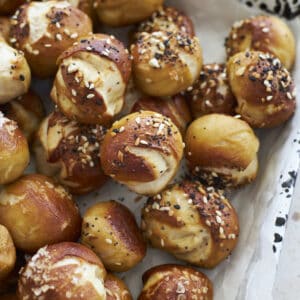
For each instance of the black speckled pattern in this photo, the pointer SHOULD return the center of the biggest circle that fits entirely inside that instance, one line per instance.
(288, 9)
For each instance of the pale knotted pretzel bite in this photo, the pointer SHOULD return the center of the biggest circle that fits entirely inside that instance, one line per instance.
(91, 81)
(222, 151)
(63, 271)
(110, 229)
(195, 223)
(70, 151)
(165, 63)
(143, 151)
(37, 212)
(43, 30)
(263, 87)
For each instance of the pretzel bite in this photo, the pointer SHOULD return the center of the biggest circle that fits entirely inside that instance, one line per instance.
(264, 89)
(63, 271)
(38, 212)
(43, 30)
(166, 63)
(15, 74)
(174, 108)
(5, 28)
(195, 223)
(263, 33)
(168, 19)
(116, 289)
(125, 12)
(222, 151)
(170, 282)
(27, 110)
(7, 253)
(143, 151)
(8, 7)
(14, 151)
(110, 230)
(91, 81)
(69, 152)
(211, 92)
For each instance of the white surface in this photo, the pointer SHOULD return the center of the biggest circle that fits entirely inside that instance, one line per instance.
(287, 284)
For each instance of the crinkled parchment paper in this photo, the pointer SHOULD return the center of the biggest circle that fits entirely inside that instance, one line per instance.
(250, 272)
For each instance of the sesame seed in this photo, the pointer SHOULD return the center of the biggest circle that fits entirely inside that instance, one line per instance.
(74, 35)
(289, 95)
(90, 96)
(267, 83)
(143, 142)
(231, 236)
(218, 219)
(120, 156)
(137, 142)
(164, 208)
(203, 85)
(262, 56)
(160, 129)
(265, 29)
(58, 37)
(108, 241)
(269, 98)
(154, 63)
(240, 71)
(155, 205)
(74, 93)
(208, 103)
(121, 129)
